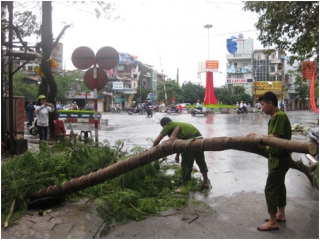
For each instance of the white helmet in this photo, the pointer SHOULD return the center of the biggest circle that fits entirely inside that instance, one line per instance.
(134, 102)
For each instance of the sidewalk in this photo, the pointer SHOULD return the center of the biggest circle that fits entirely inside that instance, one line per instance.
(71, 220)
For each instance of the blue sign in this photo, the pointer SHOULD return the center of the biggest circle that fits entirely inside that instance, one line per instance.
(232, 45)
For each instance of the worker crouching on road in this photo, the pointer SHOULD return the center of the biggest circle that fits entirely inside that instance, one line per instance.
(188, 131)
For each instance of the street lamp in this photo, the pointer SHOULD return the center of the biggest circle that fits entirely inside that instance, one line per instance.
(208, 26)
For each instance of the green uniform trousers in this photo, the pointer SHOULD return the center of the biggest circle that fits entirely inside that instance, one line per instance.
(187, 164)
(275, 190)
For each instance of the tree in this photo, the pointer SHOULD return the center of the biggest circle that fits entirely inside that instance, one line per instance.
(64, 83)
(21, 88)
(291, 26)
(173, 91)
(232, 96)
(301, 87)
(24, 23)
(192, 92)
(144, 94)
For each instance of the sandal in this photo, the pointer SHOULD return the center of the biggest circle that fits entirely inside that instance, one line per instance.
(267, 228)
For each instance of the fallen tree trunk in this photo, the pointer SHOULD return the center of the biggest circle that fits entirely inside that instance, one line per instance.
(252, 144)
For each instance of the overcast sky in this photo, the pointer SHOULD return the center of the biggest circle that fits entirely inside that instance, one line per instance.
(168, 34)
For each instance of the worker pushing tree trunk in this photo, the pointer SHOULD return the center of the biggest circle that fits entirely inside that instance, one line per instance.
(252, 144)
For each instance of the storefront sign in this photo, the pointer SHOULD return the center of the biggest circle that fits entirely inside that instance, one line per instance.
(117, 85)
(229, 80)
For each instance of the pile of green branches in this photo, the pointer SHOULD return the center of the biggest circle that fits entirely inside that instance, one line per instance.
(135, 195)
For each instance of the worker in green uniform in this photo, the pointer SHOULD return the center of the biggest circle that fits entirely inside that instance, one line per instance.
(278, 163)
(188, 132)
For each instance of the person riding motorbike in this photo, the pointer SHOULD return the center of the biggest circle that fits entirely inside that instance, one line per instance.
(173, 108)
(198, 106)
(243, 107)
(134, 106)
(148, 106)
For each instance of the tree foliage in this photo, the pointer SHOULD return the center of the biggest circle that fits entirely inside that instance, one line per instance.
(134, 195)
(192, 92)
(65, 82)
(25, 23)
(290, 26)
(173, 90)
(21, 88)
(187, 93)
(232, 96)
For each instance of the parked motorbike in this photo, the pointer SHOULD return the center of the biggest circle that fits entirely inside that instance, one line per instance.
(202, 111)
(34, 129)
(242, 110)
(134, 110)
(116, 110)
(314, 137)
(173, 109)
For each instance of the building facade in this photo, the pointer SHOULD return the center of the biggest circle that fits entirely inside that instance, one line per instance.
(239, 66)
(255, 70)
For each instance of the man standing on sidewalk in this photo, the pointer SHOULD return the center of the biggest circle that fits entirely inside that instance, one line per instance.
(278, 163)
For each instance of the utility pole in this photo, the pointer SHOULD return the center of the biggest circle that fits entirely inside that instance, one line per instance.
(208, 26)
(178, 76)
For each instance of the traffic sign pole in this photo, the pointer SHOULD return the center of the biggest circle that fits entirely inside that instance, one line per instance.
(107, 58)
(95, 95)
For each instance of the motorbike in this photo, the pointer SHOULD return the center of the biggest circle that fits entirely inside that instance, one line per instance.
(134, 110)
(242, 110)
(202, 111)
(149, 110)
(34, 129)
(156, 108)
(116, 110)
(173, 109)
(314, 137)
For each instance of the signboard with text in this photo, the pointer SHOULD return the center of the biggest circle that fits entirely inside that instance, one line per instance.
(234, 81)
(307, 68)
(117, 85)
(212, 65)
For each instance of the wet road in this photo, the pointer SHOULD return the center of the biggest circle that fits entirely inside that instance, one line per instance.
(237, 178)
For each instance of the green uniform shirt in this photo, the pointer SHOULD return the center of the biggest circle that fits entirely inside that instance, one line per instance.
(279, 124)
(188, 130)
